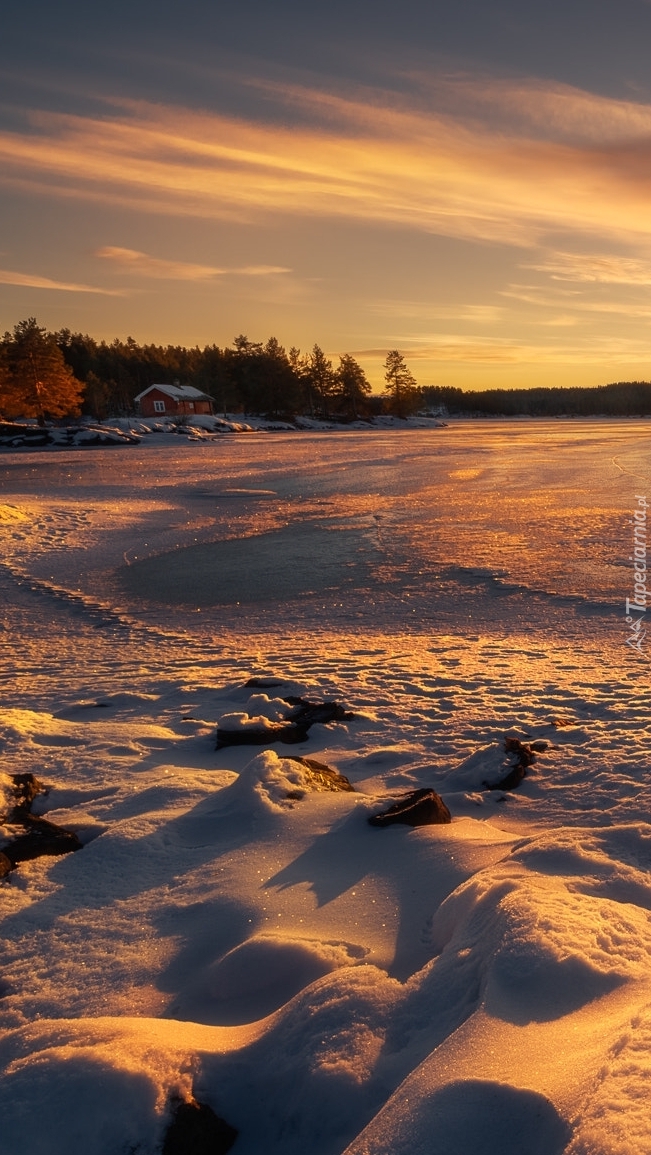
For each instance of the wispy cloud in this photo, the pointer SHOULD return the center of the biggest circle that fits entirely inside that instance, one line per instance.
(542, 110)
(541, 298)
(143, 265)
(363, 158)
(477, 314)
(458, 348)
(32, 281)
(595, 268)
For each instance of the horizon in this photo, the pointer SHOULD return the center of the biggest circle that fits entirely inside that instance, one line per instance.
(376, 391)
(466, 186)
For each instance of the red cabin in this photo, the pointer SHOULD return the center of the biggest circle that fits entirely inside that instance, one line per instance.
(173, 401)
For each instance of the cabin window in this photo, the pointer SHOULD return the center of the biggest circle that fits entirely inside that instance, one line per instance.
(159, 406)
(190, 404)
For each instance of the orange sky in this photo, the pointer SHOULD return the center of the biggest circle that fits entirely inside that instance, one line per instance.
(495, 228)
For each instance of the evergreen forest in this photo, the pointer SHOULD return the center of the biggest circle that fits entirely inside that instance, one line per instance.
(59, 375)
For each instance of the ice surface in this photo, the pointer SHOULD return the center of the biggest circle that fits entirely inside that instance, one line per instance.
(480, 988)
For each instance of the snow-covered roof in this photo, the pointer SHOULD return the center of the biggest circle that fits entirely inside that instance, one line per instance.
(178, 392)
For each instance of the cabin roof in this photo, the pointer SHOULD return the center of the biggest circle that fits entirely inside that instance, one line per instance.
(177, 392)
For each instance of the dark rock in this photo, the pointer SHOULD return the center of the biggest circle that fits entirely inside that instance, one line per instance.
(525, 755)
(321, 777)
(262, 683)
(42, 838)
(17, 436)
(309, 713)
(197, 1130)
(27, 789)
(12, 433)
(301, 715)
(418, 808)
(510, 780)
(265, 736)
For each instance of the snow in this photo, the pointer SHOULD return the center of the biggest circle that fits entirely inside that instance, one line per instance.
(228, 932)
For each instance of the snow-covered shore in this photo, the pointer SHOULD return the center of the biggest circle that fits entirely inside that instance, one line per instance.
(87, 434)
(227, 933)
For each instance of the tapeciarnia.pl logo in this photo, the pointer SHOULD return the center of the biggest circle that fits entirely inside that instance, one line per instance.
(636, 606)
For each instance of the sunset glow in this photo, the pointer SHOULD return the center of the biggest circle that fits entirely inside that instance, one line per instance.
(487, 222)
(325, 593)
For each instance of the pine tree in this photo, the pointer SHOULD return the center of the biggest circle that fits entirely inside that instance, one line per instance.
(402, 390)
(37, 382)
(321, 381)
(353, 386)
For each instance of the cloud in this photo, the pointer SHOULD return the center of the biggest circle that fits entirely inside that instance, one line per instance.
(541, 110)
(563, 321)
(595, 268)
(459, 348)
(31, 281)
(556, 160)
(540, 298)
(478, 314)
(143, 265)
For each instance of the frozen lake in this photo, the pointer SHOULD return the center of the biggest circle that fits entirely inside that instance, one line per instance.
(226, 932)
(479, 527)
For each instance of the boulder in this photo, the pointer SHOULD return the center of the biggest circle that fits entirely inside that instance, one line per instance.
(418, 808)
(322, 778)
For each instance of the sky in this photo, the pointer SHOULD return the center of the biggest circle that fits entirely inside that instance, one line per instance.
(468, 182)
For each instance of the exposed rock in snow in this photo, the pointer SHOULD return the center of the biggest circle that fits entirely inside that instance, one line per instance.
(419, 808)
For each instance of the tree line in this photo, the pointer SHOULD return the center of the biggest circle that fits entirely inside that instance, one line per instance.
(62, 374)
(619, 399)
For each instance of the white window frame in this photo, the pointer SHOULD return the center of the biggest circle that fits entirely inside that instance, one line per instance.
(159, 406)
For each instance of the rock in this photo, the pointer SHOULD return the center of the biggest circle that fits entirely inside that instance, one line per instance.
(515, 746)
(525, 755)
(301, 715)
(15, 436)
(322, 778)
(419, 808)
(309, 713)
(42, 838)
(510, 780)
(27, 789)
(263, 736)
(197, 1130)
